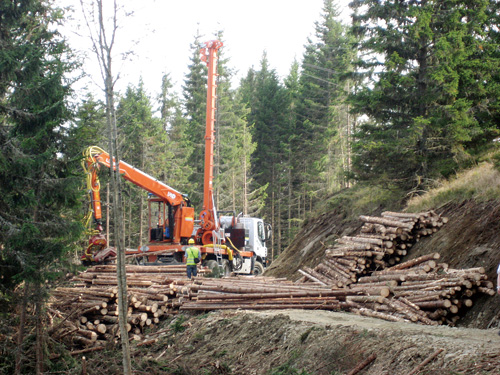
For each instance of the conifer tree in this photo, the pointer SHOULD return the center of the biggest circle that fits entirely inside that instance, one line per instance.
(143, 147)
(38, 184)
(177, 149)
(195, 101)
(264, 94)
(429, 87)
(323, 124)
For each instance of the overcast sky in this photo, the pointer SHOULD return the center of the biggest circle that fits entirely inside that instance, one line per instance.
(160, 33)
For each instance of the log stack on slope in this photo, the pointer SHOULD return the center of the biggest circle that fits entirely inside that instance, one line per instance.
(381, 243)
(419, 290)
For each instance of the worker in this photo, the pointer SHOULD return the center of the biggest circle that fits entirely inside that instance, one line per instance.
(193, 256)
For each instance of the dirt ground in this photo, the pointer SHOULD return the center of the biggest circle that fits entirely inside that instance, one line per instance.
(318, 342)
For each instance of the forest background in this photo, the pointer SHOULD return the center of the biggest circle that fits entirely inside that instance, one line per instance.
(384, 107)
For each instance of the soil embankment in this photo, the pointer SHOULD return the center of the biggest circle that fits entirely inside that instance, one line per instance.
(322, 342)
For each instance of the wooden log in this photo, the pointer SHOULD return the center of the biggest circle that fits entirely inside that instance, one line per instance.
(362, 364)
(101, 328)
(353, 245)
(346, 252)
(380, 291)
(84, 291)
(311, 306)
(365, 299)
(393, 230)
(91, 335)
(434, 304)
(386, 222)
(110, 319)
(490, 292)
(430, 358)
(376, 314)
(414, 262)
(379, 278)
(371, 240)
(79, 340)
(410, 215)
(311, 277)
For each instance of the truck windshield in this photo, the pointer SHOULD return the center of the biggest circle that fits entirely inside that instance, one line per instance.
(260, 231)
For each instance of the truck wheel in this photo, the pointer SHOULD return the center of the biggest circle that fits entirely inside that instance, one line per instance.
(226, 269)
(211, 264)
(217, 271)
(258, 268)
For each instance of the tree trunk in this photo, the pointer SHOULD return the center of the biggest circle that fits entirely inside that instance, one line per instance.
(20, 336)
(104, 49)
(39, 331)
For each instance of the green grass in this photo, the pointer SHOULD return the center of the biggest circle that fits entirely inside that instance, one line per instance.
(178, 324)
(481, 183)
(288, 368)
(364, 199)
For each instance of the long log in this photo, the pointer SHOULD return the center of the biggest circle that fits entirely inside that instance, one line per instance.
(313, 306)
(363, 364)
(389, 277)
(419, 215)
(313, 278)
(234, 296)
(431, 357)
(376, 314)
(414, 262)
(382, 221)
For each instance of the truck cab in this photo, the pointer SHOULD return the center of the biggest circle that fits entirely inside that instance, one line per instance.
(257, 233)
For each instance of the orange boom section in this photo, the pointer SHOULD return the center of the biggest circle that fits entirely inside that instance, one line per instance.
(96, 156)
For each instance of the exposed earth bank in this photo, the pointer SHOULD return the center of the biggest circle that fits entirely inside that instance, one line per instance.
(317, 342)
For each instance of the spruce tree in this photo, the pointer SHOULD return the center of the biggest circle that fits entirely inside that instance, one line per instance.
(323, 123)
(265, 96)
(38, 183)
(428, 92)
(195, 102)
(143, 147)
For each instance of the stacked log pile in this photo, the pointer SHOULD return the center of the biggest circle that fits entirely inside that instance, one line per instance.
(381, 243)
(420, 290)
(255, 293)
(89, 307)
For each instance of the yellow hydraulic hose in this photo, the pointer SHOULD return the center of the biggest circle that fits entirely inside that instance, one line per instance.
(229, 251)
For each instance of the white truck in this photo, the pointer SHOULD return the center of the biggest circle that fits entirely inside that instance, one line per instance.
(256, 235)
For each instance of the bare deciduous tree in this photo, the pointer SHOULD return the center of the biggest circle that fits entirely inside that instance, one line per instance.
(103, 41)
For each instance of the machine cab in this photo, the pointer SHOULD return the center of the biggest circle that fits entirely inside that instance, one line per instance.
(168, 223)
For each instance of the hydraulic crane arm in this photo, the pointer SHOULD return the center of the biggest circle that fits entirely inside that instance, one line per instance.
(95, 156)
(180, 222)
(208, 215)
